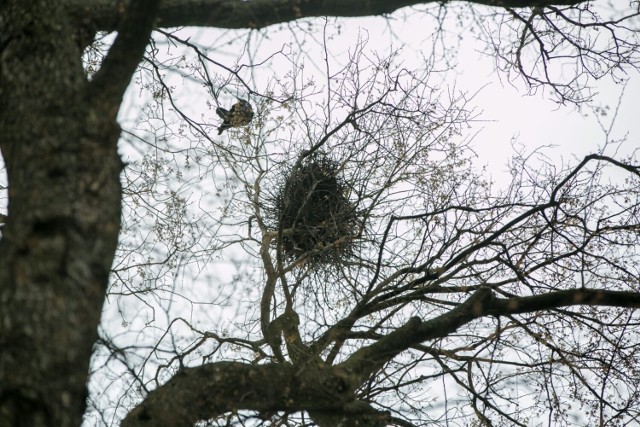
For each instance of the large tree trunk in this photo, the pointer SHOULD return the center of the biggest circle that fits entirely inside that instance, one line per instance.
(58, 137)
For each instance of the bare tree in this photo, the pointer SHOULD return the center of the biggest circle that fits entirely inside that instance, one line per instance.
(519, 301)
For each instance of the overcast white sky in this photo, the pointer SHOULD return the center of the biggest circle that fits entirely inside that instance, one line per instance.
(506, 111)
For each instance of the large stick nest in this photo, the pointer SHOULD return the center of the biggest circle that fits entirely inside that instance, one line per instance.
(311, 205)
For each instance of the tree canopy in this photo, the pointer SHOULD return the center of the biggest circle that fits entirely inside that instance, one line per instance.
(341, 260)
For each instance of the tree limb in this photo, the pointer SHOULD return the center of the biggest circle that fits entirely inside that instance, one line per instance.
(113, 77)
(211, 390)
(482, 303)
(556, 299)
(207, 391)
(262, 13)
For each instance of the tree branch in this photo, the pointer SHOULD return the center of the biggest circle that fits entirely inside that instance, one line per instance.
(550, 300)
(211, 390)
(262, 13)
(373, 357)
(207, 391)
(482, 303)
(113, 77)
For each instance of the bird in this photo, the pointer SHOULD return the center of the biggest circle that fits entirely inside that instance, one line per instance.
(240, 114)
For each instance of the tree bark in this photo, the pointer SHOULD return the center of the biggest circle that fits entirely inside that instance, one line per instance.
(59, 143)
(208, 391)
(105, 14)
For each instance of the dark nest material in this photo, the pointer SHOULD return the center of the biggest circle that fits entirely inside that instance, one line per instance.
(312, 206)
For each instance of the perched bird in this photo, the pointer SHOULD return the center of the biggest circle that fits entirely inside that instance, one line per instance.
(240, 114)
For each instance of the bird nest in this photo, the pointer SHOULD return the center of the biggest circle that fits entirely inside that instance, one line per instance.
(312, 208)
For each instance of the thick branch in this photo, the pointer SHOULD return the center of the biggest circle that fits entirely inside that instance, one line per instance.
(369, 359)
(112, 79)
(208, 391)
(358, 413)
(550, 300)
(262, 13)
(482, 303)
(211, 390)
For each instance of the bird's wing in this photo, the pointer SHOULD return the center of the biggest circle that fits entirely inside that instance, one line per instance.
(222, 113)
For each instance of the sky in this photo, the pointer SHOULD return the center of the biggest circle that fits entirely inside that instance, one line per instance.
(506, 112)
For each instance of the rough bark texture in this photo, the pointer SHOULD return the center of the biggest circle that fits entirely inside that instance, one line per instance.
(105, 14)
(209, 390)
(59, 138)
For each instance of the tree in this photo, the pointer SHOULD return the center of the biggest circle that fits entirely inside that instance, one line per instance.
(448, 279)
